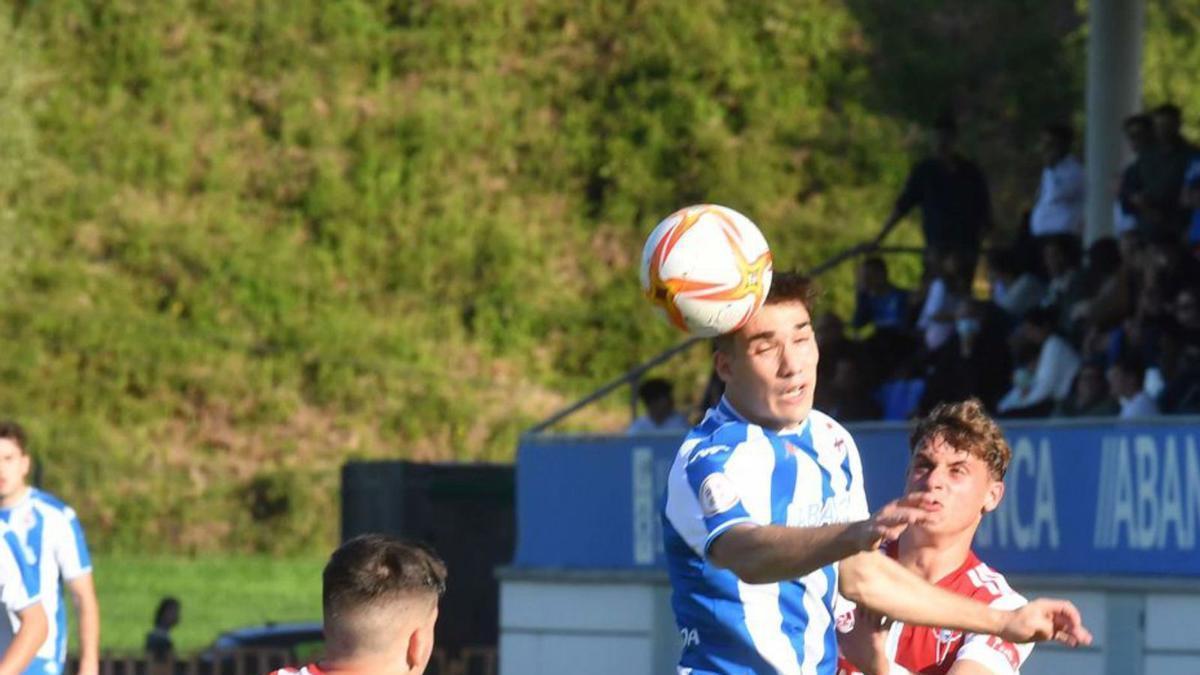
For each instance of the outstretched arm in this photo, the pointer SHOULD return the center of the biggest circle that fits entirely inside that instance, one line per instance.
(763, 554)
(883, 585)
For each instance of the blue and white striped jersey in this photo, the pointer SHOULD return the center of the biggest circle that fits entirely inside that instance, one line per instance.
(728, 472)
(52, 544)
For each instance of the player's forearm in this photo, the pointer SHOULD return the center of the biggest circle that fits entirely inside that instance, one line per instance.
(772, 553)
(26, 642)
(883, 585)
(89, 632)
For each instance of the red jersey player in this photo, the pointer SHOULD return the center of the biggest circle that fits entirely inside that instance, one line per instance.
(959, 457)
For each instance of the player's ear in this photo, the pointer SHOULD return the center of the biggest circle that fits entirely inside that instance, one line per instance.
(995, 493)
(721, 364)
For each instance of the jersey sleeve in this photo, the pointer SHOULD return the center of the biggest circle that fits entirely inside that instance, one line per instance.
(997, 654)
(730, 483)
(70, 546)
(858, 490)
(17, 580)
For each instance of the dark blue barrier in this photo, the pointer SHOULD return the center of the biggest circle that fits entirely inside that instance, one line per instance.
(1081, 498)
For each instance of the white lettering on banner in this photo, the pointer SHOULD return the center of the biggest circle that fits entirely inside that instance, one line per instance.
(1005, 527)
(1147, 499)
(643, 506)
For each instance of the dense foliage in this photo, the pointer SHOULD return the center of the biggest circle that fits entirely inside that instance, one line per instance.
(245, 240)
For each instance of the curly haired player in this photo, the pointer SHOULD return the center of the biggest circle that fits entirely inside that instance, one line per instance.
(959, 458)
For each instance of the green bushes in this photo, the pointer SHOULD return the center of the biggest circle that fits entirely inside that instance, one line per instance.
(243, 241)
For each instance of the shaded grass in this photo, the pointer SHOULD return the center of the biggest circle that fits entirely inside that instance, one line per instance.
(217, 593)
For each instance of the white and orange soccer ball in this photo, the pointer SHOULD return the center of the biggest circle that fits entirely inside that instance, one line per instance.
(707, 269)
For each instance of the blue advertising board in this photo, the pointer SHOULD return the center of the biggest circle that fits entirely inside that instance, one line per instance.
(1092, 497)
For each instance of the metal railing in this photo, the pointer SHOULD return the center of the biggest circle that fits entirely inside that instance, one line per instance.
(634, 375)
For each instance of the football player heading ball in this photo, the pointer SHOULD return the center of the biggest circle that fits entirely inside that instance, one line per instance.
(765, 497)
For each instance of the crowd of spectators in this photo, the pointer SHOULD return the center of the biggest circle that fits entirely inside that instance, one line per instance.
(1110, 329)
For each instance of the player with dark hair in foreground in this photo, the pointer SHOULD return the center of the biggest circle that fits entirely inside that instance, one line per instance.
(766, 497)
(380, 599)
(959, 458)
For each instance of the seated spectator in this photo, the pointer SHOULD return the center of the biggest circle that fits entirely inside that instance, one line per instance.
(1061, 260)
(1116, 300)
(661, 415)
(877, 302)
(1015, 289)
(1099, 278)
(1058, 211)
(950, 286)
(1055, 368)
(1168, 264)
(1089, 394)
(1126, 378)
(1179, 367)
(975, 361)
(851, 394)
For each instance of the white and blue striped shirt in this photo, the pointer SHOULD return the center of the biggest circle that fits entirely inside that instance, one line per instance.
(729, 472)
(51, 542)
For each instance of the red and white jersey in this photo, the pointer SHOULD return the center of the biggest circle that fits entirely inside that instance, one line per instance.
(310, 669)
(932, 651)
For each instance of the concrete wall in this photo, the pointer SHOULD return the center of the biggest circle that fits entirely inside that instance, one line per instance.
(594, 623)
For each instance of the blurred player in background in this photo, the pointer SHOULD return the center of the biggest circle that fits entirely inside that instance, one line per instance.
(959, 458)
(52, 543)
(766, 495)
(380, 599)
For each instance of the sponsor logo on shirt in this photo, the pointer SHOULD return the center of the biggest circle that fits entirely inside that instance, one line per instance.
(1006, 649)
(834, 509)
(717, 495)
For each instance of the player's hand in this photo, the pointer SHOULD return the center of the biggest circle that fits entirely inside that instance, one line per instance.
(864, 644)
(1047, 619)
(887, 523)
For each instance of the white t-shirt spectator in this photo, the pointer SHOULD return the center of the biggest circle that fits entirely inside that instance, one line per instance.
(645, 425)
(937, 301)
(1139, 405)
(1056, 367)
(1024, 294)
(1059, 207)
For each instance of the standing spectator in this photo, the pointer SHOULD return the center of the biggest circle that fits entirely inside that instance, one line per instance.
(659, 400)
(1126, 378)
(1139, 134)
(956, 208)
(1162, 172)
(1058, 211)
(1015, 289)
(1056, 365)
(159, 646)
(56, 551)
(1089, 394)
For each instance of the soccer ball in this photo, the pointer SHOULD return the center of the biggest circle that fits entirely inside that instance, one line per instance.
(707, 269)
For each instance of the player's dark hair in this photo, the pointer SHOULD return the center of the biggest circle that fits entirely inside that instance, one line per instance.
(966, 427)
(654, 389)
(10, 430)
(785, 287)
(374, 569)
